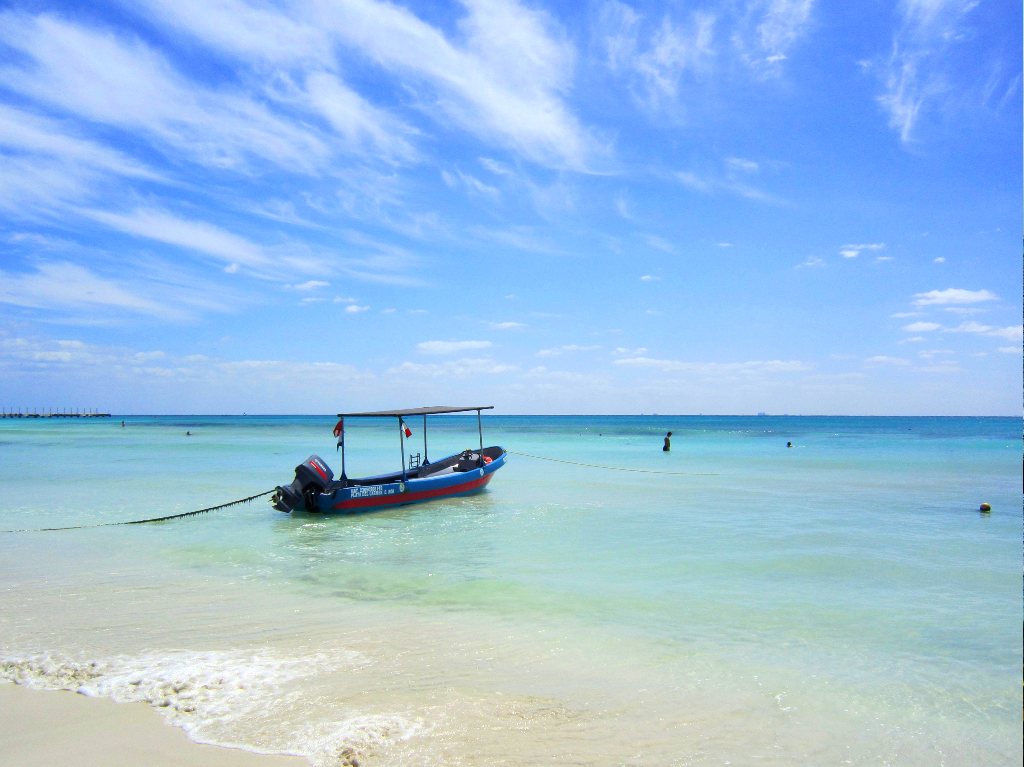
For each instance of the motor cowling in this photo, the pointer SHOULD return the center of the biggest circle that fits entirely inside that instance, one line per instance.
(312, 477)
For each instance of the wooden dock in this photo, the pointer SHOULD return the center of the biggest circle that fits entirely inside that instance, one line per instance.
(53, 414)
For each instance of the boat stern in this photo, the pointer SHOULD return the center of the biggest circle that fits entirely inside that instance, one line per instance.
(312, 477)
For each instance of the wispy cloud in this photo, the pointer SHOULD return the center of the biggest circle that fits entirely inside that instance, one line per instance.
(769, 31)
(852, 251)
(310, 285)
(751, 368)
(916, 77)
(733, 176)
(953, 296)
(195, 236)
(120, 81)
(452, 369)
(49, 164)
(66, 287)
(457, 179)
(567, 348)
(1011, 333)
(163, 374)
(24, 131)
(922, 327)
(883, 360)
(504, 83)
(504, 80)
(366, 129)
(664, 57)
(450, 347)
(659, 62)
(811, 262)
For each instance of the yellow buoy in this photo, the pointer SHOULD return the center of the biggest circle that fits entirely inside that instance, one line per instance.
(984, 508)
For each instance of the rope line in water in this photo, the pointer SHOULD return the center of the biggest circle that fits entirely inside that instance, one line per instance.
(268, 492)
(143, 521)
(614, 468)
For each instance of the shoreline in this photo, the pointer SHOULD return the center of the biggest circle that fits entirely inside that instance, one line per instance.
(48, 728)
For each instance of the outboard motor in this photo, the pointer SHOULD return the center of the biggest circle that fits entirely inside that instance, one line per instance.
(312, 477)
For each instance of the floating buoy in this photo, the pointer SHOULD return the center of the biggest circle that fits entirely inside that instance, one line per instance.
(985, 508)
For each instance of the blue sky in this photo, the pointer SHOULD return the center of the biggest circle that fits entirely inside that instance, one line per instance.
(790, 206)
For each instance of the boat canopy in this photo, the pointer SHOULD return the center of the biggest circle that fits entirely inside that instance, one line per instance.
(435, 410)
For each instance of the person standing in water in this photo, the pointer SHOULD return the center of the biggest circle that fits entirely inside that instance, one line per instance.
(668, 442)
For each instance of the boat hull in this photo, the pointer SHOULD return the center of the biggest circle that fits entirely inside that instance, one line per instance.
(371, 495)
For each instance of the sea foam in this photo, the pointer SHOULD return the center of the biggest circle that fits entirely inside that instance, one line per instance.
(227, 698)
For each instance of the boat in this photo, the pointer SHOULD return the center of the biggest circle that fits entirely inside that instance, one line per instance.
(316, 490)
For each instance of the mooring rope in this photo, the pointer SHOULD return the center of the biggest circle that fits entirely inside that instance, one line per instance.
(614, 468)
(143, 521)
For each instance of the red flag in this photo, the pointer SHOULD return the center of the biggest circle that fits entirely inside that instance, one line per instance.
(406, 429)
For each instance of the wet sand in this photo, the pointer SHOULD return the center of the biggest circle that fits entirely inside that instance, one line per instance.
(51, 728)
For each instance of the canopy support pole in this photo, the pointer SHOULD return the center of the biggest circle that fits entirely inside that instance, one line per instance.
(401, 445)
(480, 431)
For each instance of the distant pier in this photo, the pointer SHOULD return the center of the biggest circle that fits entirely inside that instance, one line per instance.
(53, 414)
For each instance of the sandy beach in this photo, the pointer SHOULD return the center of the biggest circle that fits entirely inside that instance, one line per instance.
(50, 728)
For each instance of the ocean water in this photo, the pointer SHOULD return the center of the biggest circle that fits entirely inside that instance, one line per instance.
(734, 601)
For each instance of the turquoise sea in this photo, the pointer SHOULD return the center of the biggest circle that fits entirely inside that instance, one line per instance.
(734, 601)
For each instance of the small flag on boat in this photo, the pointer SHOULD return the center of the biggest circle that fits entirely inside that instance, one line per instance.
(406, 429)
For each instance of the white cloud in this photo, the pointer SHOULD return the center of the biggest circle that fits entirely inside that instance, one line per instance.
(450, 347)
(558, 350)
(921, 327)
(852, 251)
(356, 309)
(953, 296)
(461, 368)
(1011, 333)
(718, 369)
(884, 360)
(928, 354)
(310, 285)
(506, 325)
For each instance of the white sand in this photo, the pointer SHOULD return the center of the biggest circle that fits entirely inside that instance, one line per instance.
(51, 728)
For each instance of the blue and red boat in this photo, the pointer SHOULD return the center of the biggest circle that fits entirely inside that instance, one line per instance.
(316, 490)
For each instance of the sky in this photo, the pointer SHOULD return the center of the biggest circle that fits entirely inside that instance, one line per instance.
(313, 206)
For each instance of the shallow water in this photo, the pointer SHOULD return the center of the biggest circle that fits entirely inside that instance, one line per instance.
(735, 600)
